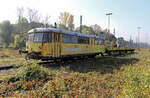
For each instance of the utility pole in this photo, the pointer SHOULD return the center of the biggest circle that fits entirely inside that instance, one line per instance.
(114, 31)
(130, 41)
(136, 42)
(139, 28)
(80, 24)
(108, 30)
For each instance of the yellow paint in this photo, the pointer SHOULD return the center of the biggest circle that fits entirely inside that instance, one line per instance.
(56, 48)
(33, 46)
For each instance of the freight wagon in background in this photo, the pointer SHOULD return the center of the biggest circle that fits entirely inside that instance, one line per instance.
(119, 46)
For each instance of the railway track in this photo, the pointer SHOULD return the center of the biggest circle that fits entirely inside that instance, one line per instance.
(6, 67)
(61, 63)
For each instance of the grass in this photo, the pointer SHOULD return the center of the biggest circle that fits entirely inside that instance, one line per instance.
(121, 76)
(10, 56)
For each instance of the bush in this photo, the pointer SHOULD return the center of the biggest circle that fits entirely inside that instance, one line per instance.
(29, 72)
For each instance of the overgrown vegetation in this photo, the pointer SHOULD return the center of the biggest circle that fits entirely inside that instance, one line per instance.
(29, 72)
(123, 76)
(11, 57)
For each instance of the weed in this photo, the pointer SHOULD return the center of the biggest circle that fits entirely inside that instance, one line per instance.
(33, 71)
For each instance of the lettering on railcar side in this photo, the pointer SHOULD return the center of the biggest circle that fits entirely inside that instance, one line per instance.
(66, 49)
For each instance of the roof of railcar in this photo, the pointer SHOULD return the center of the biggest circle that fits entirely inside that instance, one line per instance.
(38, 30)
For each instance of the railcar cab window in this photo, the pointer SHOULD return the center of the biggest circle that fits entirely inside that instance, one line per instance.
(83, 40)
(30, 37)
(38, 37)
(69, 38)
(98, 41)
(46, 37)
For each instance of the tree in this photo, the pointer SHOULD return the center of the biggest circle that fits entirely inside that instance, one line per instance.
(97, 29)
(20, 13)
(19, 41)
(46, 21)
(85, 29)
(34, 18)
(22, 23)
(105, 30)
(70, 22)
(66, 21)
(62, 26)
(22, 26)
(33, 15)
(20, 29)
(109, 36)
(6, 30)
(64, 18)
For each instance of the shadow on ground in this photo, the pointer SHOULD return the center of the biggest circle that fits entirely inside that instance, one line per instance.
(100, 64)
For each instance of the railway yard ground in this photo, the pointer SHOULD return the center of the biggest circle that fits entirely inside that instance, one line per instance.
(122, 76)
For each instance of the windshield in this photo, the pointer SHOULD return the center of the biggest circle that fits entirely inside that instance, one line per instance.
(30, 37)
(39, 37)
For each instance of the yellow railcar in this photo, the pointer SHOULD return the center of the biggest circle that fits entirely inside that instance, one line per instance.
(52, 43)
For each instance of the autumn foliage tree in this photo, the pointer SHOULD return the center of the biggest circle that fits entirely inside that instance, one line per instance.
(66, 21)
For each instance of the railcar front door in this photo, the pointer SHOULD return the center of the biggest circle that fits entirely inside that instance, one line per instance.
(56, 45)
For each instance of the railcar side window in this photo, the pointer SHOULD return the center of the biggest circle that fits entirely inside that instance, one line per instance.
(30, 37)
(38, 37)
(69, 38)
(83, 40)
(46, 37)
(98, 41)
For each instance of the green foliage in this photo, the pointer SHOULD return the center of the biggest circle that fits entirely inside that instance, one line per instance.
(4, 45)
(11, 45)
(137, 82)
(97, 29)
(22, 26)
(19, 41)
(16, 41)
(17, 33)
(122, 76)
(75, 85)
(29, 72)
(86, 29)
(62, 26)
(6, 30)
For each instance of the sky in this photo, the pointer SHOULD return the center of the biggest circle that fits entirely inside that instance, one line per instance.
(126, 16)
